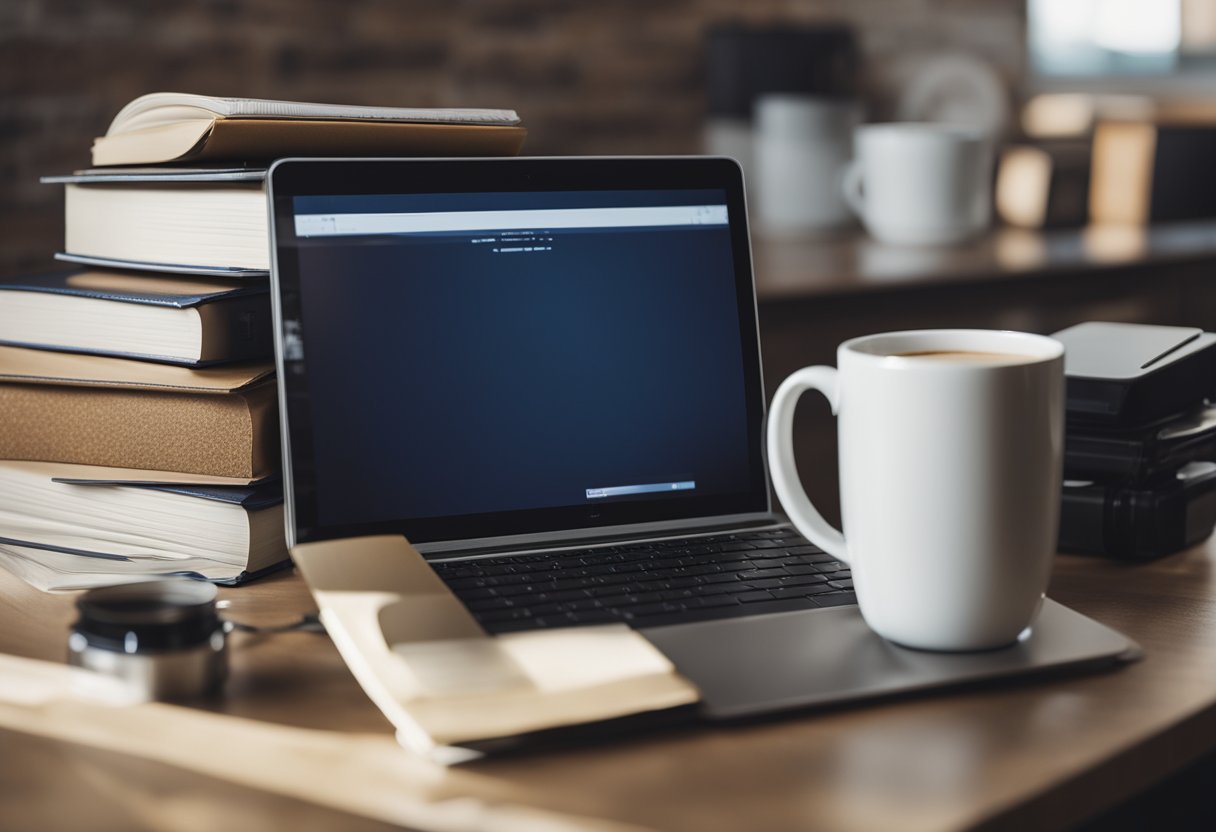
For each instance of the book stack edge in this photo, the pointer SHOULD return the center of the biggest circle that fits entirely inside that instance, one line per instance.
(138, 408)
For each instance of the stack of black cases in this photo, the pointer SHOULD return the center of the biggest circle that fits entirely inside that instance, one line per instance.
(1140, 442)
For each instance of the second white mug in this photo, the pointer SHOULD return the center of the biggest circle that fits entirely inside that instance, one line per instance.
(920, 184)
(802, 146)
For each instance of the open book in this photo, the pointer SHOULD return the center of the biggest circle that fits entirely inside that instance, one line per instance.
(168, 126)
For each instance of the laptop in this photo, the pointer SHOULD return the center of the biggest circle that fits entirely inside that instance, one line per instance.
(545, 373)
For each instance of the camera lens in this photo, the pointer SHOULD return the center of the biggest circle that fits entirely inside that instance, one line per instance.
(164, 637)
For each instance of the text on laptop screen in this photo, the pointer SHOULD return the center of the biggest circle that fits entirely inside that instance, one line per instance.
(477, 353)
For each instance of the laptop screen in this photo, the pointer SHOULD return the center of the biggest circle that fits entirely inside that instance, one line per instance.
(485, 363)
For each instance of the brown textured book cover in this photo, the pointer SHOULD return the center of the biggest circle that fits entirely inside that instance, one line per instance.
(229, 434)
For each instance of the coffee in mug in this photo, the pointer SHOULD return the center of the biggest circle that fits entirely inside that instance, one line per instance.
(951, 448)
(968, 356)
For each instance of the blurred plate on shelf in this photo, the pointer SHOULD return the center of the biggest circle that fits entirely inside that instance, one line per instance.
(955, 89)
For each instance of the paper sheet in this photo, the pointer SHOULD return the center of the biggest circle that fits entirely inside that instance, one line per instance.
(442, 681)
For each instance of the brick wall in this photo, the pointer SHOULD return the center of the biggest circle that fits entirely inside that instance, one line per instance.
(597, 76)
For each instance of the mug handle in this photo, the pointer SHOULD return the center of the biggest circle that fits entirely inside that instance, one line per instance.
(805, 517)
(851, 188)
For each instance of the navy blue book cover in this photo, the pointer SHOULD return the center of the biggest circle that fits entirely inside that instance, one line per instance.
(177, 293)
(250, 497)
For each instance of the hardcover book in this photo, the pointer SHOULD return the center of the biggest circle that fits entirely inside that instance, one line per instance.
(94, 410)
(70, 532)
(169, 220)
(187, 321)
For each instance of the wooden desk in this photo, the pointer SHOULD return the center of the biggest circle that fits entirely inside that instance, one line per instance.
(1035, 755)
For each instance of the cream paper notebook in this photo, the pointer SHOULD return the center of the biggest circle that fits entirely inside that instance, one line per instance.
(448, 687)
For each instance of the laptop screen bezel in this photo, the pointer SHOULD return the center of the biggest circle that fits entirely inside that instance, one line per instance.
(289, 178)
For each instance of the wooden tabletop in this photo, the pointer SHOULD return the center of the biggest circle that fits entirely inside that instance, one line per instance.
(1040, 754)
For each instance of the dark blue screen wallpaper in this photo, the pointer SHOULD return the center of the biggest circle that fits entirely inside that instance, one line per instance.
(478, 371)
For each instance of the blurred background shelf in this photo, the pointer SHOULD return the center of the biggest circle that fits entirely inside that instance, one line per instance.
(853, 263)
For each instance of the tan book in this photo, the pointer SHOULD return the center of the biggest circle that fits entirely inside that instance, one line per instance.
(178, 127)
(93, 410)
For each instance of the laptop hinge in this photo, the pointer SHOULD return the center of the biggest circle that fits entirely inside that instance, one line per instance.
(613, 539)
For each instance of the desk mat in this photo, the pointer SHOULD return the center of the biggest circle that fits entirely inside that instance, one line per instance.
(816, 658)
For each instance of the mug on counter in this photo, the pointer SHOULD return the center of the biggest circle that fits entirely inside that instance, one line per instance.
(951, 445)
(920, 183)
(802, 146)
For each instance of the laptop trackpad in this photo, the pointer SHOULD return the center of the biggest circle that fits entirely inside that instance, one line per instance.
(774, 662)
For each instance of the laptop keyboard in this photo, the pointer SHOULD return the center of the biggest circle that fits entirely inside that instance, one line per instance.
(651, 584)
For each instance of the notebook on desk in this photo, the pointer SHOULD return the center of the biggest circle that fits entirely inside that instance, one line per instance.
(543, 376)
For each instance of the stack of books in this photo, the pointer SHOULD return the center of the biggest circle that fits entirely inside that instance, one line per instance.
(138, 410)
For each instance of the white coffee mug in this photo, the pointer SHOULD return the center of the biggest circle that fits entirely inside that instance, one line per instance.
(920, 184)
(950, 476)
(802, 146)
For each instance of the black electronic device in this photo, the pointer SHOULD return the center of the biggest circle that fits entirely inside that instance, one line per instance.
(744, 62)
(1130, 375)
(1142, 453)
(1140, 521)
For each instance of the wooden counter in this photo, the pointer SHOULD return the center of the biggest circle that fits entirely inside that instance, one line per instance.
(1041, 754)
(853, 263)
(295, 744)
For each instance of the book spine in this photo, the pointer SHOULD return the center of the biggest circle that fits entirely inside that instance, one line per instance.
(236, 329)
